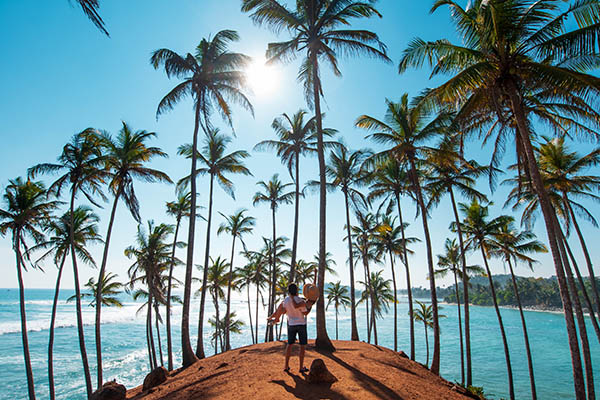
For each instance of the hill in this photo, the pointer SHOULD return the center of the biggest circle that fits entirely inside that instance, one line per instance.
(363, 371)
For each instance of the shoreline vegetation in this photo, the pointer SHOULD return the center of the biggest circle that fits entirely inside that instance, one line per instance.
(522, 80)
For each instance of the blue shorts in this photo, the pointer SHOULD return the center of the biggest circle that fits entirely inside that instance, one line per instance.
(301, 331)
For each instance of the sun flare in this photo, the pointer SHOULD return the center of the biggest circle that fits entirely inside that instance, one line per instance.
(263, 79)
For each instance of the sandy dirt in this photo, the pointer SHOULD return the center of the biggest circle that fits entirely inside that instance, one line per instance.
(364, 371)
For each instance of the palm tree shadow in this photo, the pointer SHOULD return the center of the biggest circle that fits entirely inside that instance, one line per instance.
(309, 391)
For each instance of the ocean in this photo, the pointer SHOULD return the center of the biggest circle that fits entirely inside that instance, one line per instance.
(125, 355)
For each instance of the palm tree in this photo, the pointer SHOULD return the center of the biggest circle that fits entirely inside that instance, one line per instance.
(447, 172)
(377, 289)
(90, 9)
(152, 258)
(514, 246)
(178, 209)
(424, 314)
(480, 233)
(26, 210)
(315, 29)
(338, 295)
(217, 280)
(125, 156)
(216, 164)
(58, 245)
(405, 129)
(450, 261)
(390, 181)
(84, 170)
(110, 292)
(213, 77)
(296, 138)
(344, 173)
(236, 225)
(510, 49)
(274, 194)
(244, 279)
(234, 326)
(563, 171)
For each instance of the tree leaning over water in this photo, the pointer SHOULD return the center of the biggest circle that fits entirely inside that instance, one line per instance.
(319, 32)
(125, 157)
(84, 171)
(511, 47)
(24, 215)
(213, 77)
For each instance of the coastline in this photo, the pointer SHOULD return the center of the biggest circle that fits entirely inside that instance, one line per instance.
(525, 308)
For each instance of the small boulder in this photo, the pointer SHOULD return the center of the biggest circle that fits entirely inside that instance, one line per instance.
(319, 373)
(155, 378)
(110, 391)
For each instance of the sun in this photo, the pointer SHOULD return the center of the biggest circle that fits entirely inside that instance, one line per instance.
(262, 78)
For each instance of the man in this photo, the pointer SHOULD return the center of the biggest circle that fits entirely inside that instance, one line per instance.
(296, 310)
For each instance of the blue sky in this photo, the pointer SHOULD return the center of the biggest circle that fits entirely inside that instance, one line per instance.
(60, 75)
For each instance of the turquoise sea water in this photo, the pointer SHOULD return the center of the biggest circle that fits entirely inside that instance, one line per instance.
(125, 359)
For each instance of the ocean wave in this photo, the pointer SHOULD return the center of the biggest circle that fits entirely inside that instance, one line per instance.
(127, 313)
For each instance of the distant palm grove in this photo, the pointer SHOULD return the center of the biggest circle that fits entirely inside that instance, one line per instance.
(521, 77)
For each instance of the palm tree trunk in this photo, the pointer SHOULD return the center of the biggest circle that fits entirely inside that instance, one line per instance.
(460, 335)
(525, 335)
(162, 361)
(296, 221)
(256, 311)
(171, 267)
(152, 347)
(322, 341)
(524, 133)
(511, 388)
(273, 276)
(51, 333)
(99, 288)
(354, 327)
(200, 342)
(217, 330)
(588, 259)
(435, 362)
(84, 360)
(368, 288)
(426, 343)
(336, 323)
(582, 284)
(585, 345)
(408, 285)
(186, 346)
(250, 313)
(465, 290)
(227, 344)
(24, 339)
(395, 303)
(148, 328)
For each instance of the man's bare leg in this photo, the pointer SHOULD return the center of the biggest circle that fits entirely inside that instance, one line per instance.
(301, 356)
(288, 353)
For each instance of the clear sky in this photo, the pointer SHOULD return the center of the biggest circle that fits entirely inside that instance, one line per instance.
(60, 75)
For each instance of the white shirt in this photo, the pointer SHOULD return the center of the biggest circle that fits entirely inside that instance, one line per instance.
(294, 315)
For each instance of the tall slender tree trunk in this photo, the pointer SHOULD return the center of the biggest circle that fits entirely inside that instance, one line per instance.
(51, 333)
(585, 345)
(588, 259)
(229, 281)
(24, 339)
(256, 310)
(582, 284)
(200, 342)
(296, 221)
(322, 341)
(395, 303)
(273, 275)
(217, 330)
(148, 328)
(465, 280)
(162, 361)
(435, 361)
(336, 323)
(169, 286)
(426, 343)
(250, 314)
(524, 133)
(460, 334)
(354, 327)
(186, 346)
(84, 359)
(99, 288)
(525, 334)
(511, 388)
(367, 288)
(411, 321)
(152, 346)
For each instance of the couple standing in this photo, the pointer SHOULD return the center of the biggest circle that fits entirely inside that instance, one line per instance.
(296, 309)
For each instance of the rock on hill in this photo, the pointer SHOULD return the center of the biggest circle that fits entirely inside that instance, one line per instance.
(363, 371)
